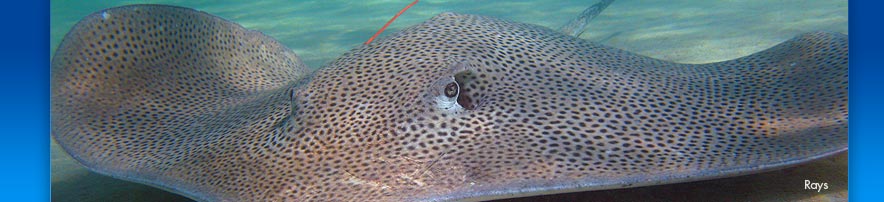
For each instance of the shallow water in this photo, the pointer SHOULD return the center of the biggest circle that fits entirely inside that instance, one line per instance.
(690, 31)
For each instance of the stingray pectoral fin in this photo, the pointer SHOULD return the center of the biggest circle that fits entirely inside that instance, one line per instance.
(158, 94)
(558, 114)
(780, 107)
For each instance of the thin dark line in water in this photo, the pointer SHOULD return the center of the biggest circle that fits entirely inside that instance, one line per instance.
(391, 21)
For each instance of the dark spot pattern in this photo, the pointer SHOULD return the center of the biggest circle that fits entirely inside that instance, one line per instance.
(183, 100)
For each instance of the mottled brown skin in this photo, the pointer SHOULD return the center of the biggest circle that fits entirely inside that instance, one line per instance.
(192, 103)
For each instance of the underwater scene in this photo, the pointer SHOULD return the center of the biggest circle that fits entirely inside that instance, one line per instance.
(455, 100)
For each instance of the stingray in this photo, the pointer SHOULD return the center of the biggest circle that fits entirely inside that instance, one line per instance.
(458, 108)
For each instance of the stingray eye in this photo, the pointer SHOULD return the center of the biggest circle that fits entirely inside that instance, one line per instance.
(451, 89)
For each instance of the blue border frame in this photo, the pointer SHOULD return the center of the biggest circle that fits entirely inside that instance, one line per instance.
(25, 100)
(865, 164)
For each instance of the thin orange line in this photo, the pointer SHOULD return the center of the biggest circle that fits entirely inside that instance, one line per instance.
(391, 21)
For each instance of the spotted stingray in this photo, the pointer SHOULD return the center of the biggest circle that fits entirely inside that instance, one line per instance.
(460, 107)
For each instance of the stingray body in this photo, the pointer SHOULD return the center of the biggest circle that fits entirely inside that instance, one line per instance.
(460, 107)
